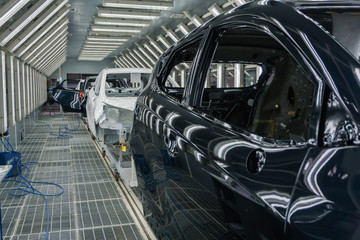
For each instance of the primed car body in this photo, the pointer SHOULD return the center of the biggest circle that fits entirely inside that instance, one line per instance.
(203, 175)
(113, 112)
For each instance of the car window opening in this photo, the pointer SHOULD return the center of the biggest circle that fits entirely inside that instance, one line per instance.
(257, 86)
(125, 84)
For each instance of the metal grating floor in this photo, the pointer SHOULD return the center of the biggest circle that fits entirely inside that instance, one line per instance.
(91, 206)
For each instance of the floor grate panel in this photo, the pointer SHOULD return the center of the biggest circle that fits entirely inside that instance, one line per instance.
(91, 206)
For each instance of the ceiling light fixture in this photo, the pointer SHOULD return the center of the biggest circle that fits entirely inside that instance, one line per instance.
(148, 47)
(149, 5)
(123, 29)
(115, 13)
(122, 22)
(171, 34)
(38, 25)
(9, 9)
(117, 44)
(107, 39)
(57, 31)
(215, 10)
(184, 28)
(155, 45)
(163, 40)
(21, 23)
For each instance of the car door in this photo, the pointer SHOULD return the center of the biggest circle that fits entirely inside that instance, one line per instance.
(68, 98)
(249, 134)
(93, 98)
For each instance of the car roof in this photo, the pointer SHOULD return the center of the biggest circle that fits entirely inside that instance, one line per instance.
(321, 4)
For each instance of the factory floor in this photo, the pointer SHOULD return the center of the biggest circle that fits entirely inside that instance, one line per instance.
(91, 206)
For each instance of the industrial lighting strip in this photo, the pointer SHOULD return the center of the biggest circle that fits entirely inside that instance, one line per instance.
(32, 46)
(120, 19)
(148, 52)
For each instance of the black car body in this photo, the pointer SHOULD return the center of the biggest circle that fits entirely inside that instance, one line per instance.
(73, 99)
(261, 141)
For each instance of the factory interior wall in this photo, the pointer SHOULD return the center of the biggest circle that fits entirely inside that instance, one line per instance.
(72, 65)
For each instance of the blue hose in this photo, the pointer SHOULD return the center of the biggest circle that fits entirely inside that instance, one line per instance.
(26, 187)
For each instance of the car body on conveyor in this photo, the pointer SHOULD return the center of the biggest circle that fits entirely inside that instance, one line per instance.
(111, 101)
(73, 99)
(261, 140)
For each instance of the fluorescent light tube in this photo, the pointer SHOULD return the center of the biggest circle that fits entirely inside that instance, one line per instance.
(149, 5)
(39, 25)
(115, 13)
(36, 10)
(116, 29)
(121, 22)
(9, 9)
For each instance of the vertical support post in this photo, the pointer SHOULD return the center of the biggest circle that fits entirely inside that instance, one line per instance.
(183, 77)
(220, 75)
(18, 113)
(3, 97)
(10, 90)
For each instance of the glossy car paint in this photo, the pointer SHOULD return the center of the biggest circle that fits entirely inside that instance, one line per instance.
(189, 163)
(73, 100)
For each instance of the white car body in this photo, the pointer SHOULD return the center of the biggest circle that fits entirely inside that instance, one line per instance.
(106, 107)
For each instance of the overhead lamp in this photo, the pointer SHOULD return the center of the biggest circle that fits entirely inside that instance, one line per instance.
(112, 34)
(56, 39)
(48, 54)
(57, 32)
(9, 9)
(184, 28)
(51, 55)
(116, 13)
(107, 39)
(59, 42)
(54, 61)
(97, 50)
(44, 51)
(122, 22)
(155, 45)
(196, 20)
(52, 27)
(123, 29)
(128, 63)
(163, 40)
(149, 5)
(142, 58)
(171, 34)
(43, 19)
(109, 44)
(100, 49)
(124, 63)
(99, 46)
(90, 59)
(24, 20)
(136, 59)
(240, 2)
(130, 60)
(215, 9)
(148, 47)
(142, 50)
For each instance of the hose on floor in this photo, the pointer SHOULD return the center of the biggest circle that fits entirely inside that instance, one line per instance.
(26, 187)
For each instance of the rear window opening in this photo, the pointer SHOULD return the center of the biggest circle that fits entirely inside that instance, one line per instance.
(125, 84)
(344, 26)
